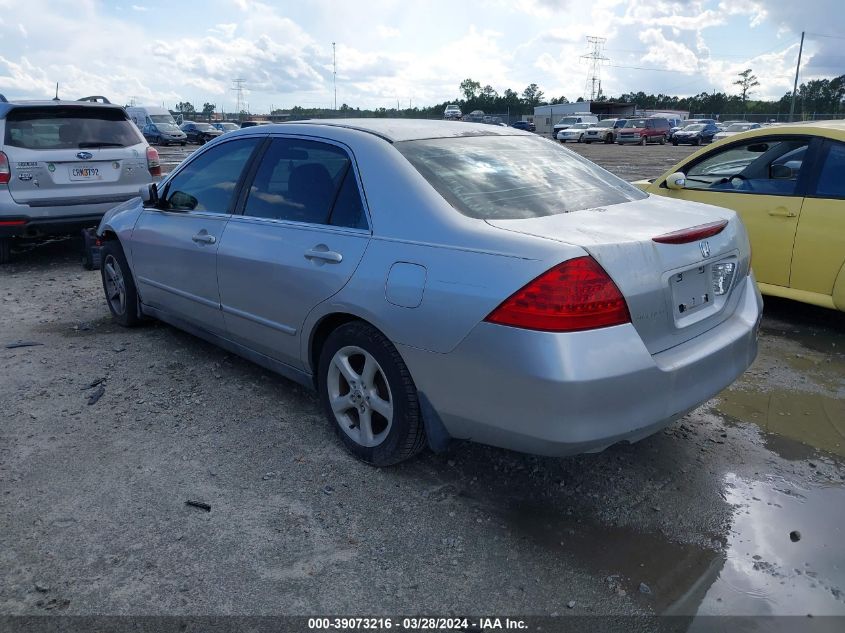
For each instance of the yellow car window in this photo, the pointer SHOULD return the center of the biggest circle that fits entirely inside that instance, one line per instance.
(762, 166)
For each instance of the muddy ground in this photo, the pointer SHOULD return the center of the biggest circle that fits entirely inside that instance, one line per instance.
(736, 509)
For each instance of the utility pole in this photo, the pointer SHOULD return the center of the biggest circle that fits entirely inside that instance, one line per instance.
(334, 74)
(595, 58)
(795, 85)
(239, 95)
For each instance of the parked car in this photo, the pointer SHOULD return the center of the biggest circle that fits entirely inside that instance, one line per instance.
(63, 164)
(687, 122)
(695, 134)
(200, 133)
(786, 184)
(571, 120)
(528, 126)
(642, 131)
(452, 112)
(144, 115)
(573, 133)
(164, 134)
(476, 116)
(226, 126)
(604, 131)
(246, 124)
(405, 343)
(736, 128)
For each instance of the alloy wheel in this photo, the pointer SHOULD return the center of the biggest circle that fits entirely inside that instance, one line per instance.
(360, 396)
(115, 285)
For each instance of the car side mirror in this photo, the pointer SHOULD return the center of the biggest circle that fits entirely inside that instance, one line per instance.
(678, 180)
(149, 195)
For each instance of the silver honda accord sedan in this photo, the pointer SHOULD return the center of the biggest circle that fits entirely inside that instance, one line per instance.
(438, 280)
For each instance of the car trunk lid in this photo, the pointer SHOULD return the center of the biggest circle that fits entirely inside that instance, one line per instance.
(675, 291)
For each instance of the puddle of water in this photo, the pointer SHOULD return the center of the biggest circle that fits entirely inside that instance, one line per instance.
(812, 419)
(623, 556)
(766, 571)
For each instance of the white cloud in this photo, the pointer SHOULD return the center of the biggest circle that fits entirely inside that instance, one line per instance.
(136, 7)
(387, 32)
(23, 30)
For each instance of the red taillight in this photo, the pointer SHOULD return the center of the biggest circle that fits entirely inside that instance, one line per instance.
(692, 234)
(153, 163)
(5, 170)
(575, 295)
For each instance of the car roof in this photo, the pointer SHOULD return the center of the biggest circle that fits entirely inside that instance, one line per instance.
(832, 128)
(6, 107)
(397, 130)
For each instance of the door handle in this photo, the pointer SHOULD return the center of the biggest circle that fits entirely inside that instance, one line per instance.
(781, 212)
(204, 238)
(324, 255)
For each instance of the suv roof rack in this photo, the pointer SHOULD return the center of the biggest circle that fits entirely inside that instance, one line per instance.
(95, 99)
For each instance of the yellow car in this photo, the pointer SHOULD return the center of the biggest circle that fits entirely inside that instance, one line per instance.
(787, 183)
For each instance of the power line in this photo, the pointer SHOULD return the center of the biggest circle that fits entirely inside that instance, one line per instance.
(833, 37)
(239, 95)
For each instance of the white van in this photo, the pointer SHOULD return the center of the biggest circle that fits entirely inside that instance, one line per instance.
(571, 119)
(144, 115)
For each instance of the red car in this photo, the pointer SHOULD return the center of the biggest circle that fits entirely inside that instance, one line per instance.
(644, 130)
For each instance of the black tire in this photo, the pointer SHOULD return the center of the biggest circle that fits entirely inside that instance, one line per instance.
(5, 250)
(675, 143)
(662, 140)
(608, 139)
(643, 140)
(697, 141)
(183, 143)
(406, 436)
(112, 253)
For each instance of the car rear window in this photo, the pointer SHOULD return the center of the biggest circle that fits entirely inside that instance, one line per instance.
(69, 128)
(512, 177)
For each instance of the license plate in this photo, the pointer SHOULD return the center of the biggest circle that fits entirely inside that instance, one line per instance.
(85, 173)
(691, 290)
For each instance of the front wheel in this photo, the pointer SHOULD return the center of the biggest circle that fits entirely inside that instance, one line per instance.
(643, 140)
(675, 143)
(367, 391)
(608, 139)
(697, 141)
(118, 285)
(662, 140)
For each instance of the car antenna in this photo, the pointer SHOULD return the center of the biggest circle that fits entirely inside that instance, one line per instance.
(56, 98)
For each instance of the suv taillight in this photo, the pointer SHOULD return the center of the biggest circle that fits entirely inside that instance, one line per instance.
(573, 296)
(5, 170)
(153, 163)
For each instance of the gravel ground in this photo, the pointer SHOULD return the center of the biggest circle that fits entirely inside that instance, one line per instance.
(105, 433)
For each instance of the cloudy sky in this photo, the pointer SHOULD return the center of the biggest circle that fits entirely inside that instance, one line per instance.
(154, 52)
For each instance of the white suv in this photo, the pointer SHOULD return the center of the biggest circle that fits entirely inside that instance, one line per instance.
(65, 163)
(452, 112)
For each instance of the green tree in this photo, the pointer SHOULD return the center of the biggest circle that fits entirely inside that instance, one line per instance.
(208, 110)
(470, 89)
(746, 82)
(532, 95)
(186, 108)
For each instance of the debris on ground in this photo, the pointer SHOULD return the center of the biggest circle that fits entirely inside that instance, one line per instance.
(198, 504)
(94, 397)
(17, 344)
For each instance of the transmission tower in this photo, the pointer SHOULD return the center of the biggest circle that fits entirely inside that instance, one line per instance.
(595, 57)
(239, 95)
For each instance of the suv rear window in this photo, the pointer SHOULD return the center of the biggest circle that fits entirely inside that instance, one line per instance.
(69, 127)
(513, 177)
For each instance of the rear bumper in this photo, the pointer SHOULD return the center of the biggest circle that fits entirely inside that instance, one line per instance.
(562, 394)
(56, 216)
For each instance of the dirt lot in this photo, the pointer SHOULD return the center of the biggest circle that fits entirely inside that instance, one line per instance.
(738, 508)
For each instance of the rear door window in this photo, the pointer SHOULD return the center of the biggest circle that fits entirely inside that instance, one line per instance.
(69, 127)
(299, 181)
